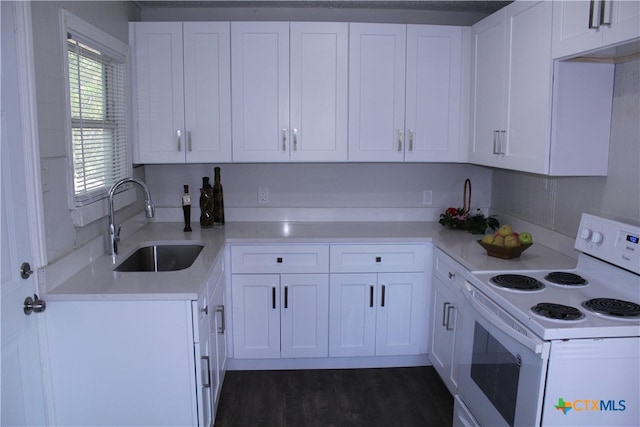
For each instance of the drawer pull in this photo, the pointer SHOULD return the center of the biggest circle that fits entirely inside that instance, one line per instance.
(279, 260)
(451, 275)
(445, 311)
(273, 297)
(223, 326)
(378, 259)
(371, 296)
(382, 297)
(448, 326)
(286, 297)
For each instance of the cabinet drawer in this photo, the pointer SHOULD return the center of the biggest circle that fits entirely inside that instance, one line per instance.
(377, 258)
(290, 258)
(447, 269)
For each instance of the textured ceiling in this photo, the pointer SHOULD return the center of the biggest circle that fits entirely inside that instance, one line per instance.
(485, 7)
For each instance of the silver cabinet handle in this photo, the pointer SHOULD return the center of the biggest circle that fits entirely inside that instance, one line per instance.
(273, 297)
(34, 305)
(223, 327)
(286, 296)
(179, 136)
(605, 13)
(189, 142)
(399, 139)
(594, 19)
(382, 296)
(451, 275)
(284, 140)
(444, 314)
(206, 358)
(503, 134)
(295, 139)
(448, 326)
(495, 142)
(410, 139)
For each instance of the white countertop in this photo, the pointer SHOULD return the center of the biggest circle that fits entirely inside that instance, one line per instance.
(98, 281)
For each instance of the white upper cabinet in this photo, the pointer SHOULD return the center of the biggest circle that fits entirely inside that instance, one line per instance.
(289, 91)
(529, 114)
(405, 92)
(376, 92)
(580, 27)
(182, 92)
(435, 124)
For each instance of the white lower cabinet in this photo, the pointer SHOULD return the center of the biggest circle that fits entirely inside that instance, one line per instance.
(124, 363)
(280, 315)
(218, 333)
(377, 314)
(446, 305)
(379, 300)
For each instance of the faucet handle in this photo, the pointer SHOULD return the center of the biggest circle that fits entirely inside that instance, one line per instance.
(117, 233)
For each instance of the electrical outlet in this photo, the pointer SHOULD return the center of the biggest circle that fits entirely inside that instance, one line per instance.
(263, 195)
(426, 197)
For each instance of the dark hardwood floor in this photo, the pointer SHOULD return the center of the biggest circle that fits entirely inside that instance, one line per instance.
(345, 397)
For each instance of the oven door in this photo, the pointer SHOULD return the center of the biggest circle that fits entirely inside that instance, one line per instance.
(502, 365)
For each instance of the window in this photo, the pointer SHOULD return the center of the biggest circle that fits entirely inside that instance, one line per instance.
(98, 130)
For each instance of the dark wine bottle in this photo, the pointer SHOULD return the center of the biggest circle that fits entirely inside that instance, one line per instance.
(206, 204)
(218, 199)
(186, 208)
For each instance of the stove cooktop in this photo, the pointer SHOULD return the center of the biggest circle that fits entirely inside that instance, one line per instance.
(569, 304)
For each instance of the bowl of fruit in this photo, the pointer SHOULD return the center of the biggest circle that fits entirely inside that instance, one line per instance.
(506, 243)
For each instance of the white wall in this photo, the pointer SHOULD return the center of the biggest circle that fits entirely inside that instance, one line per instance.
(111, 17)
(556, 203)
(323, 192)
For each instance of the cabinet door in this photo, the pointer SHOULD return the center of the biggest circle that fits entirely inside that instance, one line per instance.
(205, 361)
(352, 314)
(218, 340)
(304, 303)
(625, 22)
(402, 308)
(159, 95)
(488, 88)
(530, 75)
(571, 32)
(433, 93)
(319, 76)
(256, 316)
(442, 337)
(260, 86)
(207, 92)
(376, 92)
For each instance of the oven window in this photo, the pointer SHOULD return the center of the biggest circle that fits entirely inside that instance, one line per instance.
(496, 372)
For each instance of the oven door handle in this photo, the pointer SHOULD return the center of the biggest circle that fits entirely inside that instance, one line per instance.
(505, 323)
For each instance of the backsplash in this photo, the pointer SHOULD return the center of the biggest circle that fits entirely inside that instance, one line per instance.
(323, 192)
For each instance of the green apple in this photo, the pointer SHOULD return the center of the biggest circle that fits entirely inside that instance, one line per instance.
(505, 230)
(525, 238)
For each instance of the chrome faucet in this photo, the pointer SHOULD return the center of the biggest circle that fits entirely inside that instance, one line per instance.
(114, 233)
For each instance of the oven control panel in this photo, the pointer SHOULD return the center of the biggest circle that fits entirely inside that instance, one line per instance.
(612, 241)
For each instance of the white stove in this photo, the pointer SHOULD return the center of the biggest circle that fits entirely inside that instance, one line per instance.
(568, 340)
(530, 296)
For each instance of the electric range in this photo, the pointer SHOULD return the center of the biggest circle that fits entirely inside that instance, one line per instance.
(599, 298)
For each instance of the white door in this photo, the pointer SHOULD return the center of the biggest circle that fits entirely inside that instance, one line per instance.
(434, 64)
(488, 88)
(256, 316)
(157, 57)
(260, 87)
(402, 307)
(352, 314)
(376, 92)
(304, 315)
(319, 77)
(207, 91)
(22, 397)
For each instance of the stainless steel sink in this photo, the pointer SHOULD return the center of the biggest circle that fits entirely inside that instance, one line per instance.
(161, 258)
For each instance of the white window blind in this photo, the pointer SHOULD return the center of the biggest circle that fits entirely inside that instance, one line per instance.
(98, 118)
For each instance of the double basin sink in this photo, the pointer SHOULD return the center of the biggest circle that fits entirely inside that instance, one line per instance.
(161, 257)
